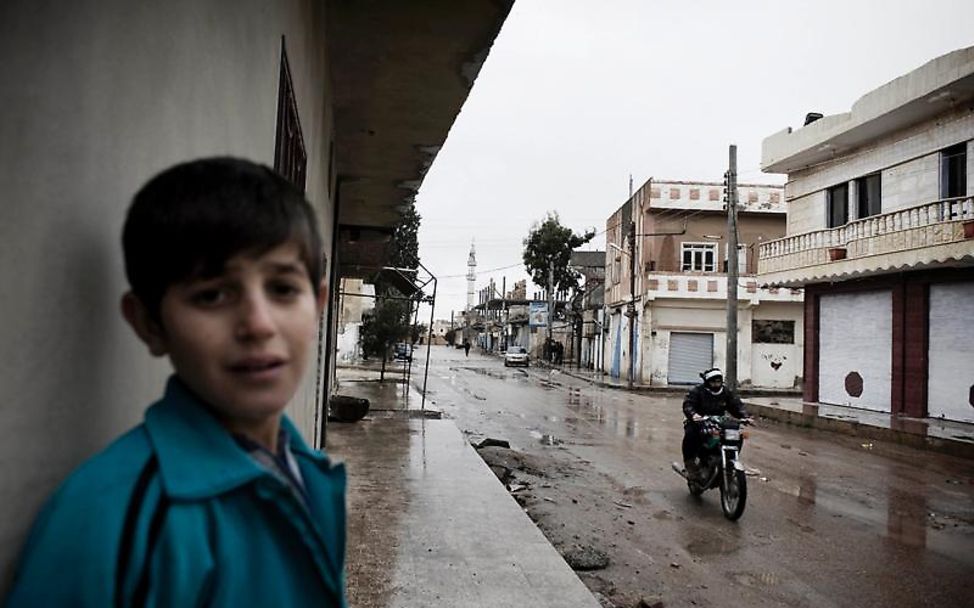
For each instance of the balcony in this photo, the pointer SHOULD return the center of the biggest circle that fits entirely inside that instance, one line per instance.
(937, 234)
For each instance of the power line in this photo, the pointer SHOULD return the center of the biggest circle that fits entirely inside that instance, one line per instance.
(457, 276)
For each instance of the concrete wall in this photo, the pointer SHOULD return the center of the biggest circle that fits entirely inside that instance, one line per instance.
(777, 365)
(664, 254)
(909, 161)
(97, 98)
(753, 360)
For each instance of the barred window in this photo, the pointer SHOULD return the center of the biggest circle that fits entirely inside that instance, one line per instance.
(765, 331)
(290, 158)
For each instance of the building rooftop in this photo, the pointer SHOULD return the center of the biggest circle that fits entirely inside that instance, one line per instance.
(936, 87)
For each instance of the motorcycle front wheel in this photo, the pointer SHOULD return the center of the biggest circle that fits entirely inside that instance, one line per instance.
(733, 493)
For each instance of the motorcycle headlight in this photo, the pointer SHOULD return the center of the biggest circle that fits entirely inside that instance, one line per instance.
(732, 435)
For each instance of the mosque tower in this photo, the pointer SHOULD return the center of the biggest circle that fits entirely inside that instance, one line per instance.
(471, 276)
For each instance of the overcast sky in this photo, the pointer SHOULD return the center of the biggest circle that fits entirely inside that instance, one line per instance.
(577, 95)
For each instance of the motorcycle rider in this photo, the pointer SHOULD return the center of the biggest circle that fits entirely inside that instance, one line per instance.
(709, 398)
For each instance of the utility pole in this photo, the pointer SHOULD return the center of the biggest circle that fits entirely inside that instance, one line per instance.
(631, 308)
(504, 317)
(551, 304)
(730, 374)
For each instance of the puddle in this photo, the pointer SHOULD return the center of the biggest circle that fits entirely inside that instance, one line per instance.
(545, 438)
(712, 546)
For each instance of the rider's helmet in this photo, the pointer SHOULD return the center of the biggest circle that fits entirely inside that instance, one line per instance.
(713, 380)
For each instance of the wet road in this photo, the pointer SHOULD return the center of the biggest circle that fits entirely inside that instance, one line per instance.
(830, 520)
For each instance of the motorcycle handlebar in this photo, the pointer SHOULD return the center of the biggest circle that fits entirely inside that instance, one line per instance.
(749, 421)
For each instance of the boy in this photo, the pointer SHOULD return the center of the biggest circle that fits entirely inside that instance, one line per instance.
(214, 500)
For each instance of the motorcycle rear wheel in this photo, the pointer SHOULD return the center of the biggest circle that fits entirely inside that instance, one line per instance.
(733, 494)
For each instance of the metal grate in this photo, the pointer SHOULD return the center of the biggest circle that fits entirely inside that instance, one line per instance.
(290, 158)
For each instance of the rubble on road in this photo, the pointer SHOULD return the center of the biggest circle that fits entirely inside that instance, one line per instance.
(583, 558)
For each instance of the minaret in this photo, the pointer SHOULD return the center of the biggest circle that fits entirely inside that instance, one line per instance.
(471, 276)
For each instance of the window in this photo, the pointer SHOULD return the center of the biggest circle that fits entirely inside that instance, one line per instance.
(741, 259)
(869, 195)
(290, 159)
(699, 257)
(838, 202)
(953, 171)
(772, 332)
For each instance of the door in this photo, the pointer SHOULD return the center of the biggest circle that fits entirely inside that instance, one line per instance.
(856, 349)
(689, 355)
(950, 382)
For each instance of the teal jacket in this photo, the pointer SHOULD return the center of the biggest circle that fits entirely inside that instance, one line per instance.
(175, 513)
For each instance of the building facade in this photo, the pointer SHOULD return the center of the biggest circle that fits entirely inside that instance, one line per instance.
(881, 237)
(355, 298)
(588, 307)
(680, 310)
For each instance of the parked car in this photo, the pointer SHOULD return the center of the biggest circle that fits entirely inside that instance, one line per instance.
(403, 352)
(516, 355)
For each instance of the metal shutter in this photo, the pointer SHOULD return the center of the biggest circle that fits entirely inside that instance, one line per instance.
(856, 349)
(689, 355)
(951, 356)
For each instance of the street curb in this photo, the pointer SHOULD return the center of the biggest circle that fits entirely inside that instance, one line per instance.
(916, 438)
(942, 445)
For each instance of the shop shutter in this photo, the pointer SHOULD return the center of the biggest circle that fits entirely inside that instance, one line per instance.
(855, 349)
(689, 355)
(950, 383)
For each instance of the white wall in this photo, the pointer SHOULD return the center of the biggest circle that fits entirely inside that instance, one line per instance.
(779, 365)
(911, 183)
(754, 361)
(348, 343)
(909, 161)
(97, 98)
(682, 316)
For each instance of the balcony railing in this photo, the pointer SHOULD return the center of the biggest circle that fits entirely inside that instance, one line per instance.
(925, 225)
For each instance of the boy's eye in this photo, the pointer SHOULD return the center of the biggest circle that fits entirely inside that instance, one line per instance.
(209, 296)
(284, 289)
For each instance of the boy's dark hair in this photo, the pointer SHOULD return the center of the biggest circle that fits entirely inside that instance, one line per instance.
(187, 221)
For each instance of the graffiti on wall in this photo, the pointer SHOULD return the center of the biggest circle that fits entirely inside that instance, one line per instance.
(775, 360)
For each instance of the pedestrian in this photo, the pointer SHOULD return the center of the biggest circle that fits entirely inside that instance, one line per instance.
(466, 348)
(215, 499)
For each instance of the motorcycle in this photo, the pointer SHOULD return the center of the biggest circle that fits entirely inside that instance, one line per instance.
(720, 464)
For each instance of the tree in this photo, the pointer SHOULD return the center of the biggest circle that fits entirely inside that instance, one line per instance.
(404, 246)
(390, 320)
(550, 241)
(385, 325)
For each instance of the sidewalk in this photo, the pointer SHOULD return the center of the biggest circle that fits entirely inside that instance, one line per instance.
(944, 436)
(429, 525)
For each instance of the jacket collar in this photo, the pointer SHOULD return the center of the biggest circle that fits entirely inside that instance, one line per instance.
(198, 458)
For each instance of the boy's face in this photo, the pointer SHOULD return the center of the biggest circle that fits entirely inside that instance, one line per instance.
(241, 340)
